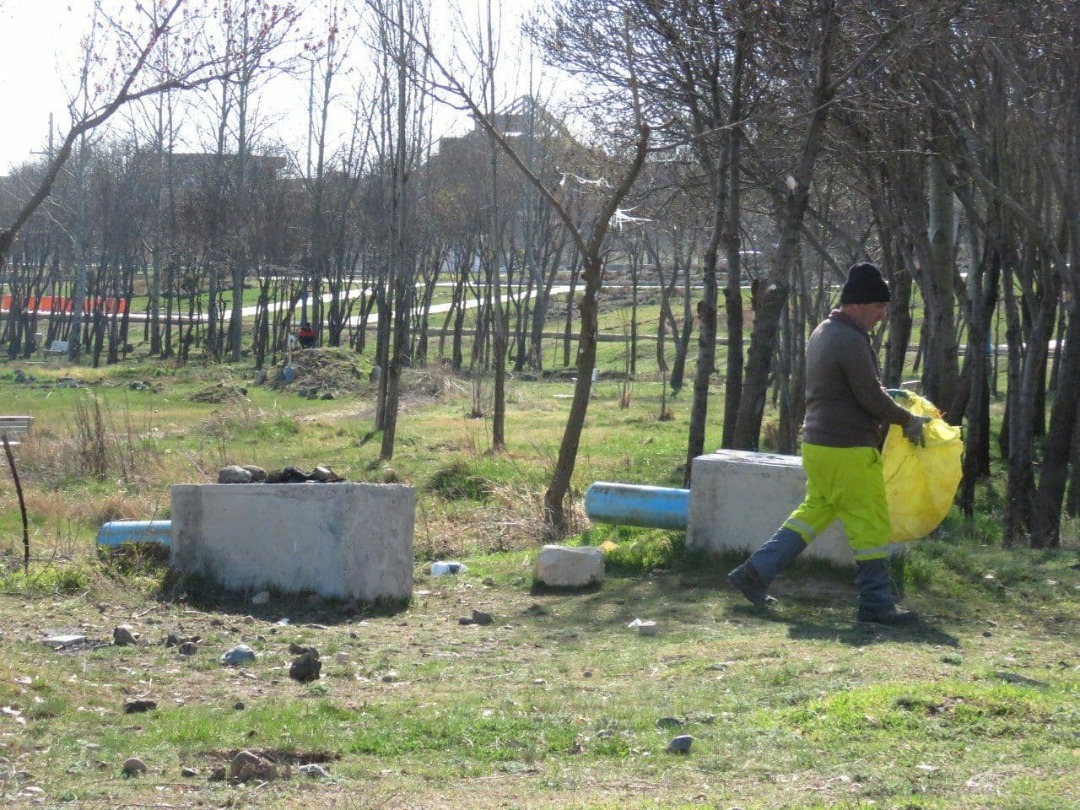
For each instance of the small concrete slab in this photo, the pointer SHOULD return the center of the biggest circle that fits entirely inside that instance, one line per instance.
(569, 566)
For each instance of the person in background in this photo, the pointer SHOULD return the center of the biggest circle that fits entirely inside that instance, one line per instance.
(306, 335)
(847, 414)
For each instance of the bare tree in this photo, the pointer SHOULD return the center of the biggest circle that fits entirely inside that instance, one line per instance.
(590, 244)
(116, 73)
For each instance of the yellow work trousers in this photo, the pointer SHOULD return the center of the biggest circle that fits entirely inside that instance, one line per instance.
(845, 483)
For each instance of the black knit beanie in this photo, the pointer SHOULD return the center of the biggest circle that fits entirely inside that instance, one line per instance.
(864, 285)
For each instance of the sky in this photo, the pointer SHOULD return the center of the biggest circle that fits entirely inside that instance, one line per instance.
(34, 35)
(39, 40)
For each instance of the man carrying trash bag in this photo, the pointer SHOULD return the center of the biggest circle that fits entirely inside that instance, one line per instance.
(847, 413)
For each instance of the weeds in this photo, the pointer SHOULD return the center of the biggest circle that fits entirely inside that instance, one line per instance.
(458, 482)
(52, 578)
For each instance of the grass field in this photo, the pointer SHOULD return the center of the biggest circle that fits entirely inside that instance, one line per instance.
(557, 702)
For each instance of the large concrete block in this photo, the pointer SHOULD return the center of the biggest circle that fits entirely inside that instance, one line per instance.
(739, 498)
(569, 566)
(352, 541)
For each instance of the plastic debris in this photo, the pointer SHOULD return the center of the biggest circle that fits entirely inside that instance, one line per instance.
(645, 628)
(439, 569)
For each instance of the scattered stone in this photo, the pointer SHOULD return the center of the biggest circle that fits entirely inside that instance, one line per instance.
(133, 766)
(487, 581)
(342, 658)
(234, 474)
(324, 475)
(569, 567)
(288, 475)
(239, 706)
(261, 598)
(306, 668)
(478, 617)
(314, 771)
(139, 706)
(258, 474)
(189, 648)
(246, 766)
(238, 656)
(681, 744)
(123, 635)
(189, 772)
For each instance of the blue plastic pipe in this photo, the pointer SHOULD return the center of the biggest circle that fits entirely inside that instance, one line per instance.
(638, 505)
(116, 532)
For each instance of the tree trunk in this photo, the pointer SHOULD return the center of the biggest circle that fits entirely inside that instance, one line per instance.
(940, 367)
(1054, 469)
(764, 337)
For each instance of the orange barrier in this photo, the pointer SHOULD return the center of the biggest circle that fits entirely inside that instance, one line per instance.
(59, 303)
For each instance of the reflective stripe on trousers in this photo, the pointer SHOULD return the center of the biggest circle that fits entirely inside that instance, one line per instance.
(845, 483)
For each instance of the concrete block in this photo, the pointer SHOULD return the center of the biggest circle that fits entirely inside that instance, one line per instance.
(352, 541)
(569, 567)
(738, 499)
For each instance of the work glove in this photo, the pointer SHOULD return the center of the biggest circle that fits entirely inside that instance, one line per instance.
(913, 431)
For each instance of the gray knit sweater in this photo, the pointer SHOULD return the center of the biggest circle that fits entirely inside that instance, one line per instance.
(846, 405)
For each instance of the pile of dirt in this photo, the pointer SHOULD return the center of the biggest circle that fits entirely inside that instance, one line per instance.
(219, 393)
(321, 370)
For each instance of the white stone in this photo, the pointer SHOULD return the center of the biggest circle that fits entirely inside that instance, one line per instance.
(739, 499)
(351, 541)
(569, 567)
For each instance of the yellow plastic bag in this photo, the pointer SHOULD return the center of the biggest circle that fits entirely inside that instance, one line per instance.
(921, 482)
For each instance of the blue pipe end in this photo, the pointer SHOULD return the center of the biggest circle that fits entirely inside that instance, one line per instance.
(638, 505)
(116, 532)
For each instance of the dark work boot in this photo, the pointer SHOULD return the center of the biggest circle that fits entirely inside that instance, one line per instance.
(753, 577)
(745, 580)
(876, 603)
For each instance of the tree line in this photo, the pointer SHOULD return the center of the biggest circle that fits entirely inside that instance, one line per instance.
(938, 139)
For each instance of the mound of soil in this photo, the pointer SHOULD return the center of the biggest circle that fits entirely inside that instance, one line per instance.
(323, 370)
(221, 392)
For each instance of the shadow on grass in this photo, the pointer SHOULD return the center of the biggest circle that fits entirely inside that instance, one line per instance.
(817, 603)
(861, 635)
(203, 593)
